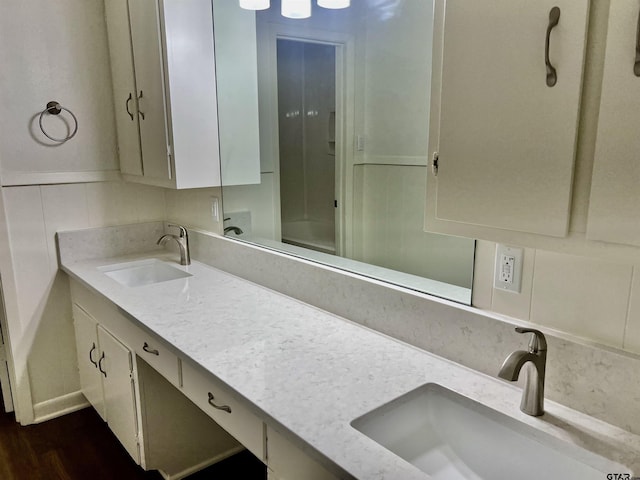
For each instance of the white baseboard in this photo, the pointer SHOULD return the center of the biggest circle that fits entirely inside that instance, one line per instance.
(56, 407)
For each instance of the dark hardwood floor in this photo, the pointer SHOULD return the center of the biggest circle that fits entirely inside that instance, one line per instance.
(80, 446)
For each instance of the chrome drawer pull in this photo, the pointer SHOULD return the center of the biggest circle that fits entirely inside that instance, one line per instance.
(554, 19)
(127, 105)
(150, 350)
(93, 348)
(226, 408)
(636, 65)
(100, 366)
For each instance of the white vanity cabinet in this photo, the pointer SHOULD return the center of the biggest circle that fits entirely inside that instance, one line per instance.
(614, 209)
(106, 378)
(504, 133)
(171, 414)
(142, 401)
(163, 72)
(285, 461)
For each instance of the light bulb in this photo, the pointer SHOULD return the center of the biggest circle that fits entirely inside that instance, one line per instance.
(296, 8)
(334, 3)
(254, 4)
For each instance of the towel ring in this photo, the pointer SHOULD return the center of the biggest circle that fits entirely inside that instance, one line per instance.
(54, 108)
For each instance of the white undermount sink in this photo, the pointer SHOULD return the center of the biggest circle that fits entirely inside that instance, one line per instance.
(143, 272)
(449, 436)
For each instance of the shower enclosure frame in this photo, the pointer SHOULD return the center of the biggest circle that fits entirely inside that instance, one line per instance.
(268, 36)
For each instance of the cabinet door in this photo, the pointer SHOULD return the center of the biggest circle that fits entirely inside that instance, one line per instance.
(116, 368)
(614, 208)
(191, 91)
(88, 357)
(287, 462)
(507, 140)
(236, 62)
(124, 86)
(150, 79)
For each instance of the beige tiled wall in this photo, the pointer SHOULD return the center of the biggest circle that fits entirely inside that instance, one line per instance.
(586, 297)
(194, 207)
(34, 214)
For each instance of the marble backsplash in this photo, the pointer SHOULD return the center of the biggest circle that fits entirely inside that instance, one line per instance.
(599, 381)
(106, 242)
(596, 380)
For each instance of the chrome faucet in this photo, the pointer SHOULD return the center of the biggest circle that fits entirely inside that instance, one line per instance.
(535, 359)
(183, 242)
(231, 228)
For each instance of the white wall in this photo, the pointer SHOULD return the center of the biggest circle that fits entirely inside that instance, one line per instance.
(389, 214)
(397, 83)
(194, 207)
(260, 200)
(587, 297)
(40, 322)
(54, 51)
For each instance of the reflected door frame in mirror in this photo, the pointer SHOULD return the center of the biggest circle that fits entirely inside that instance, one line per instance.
(268, 36)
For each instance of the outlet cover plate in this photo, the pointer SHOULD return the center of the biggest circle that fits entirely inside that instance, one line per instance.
(508, 268)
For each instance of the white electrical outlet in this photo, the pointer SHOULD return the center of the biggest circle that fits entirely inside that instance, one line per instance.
(508, 271)
(506, 268)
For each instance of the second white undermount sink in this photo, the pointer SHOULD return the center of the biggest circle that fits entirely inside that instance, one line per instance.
(449, 436)
(143, 272)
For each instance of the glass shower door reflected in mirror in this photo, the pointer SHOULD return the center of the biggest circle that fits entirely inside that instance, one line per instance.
(306, 127)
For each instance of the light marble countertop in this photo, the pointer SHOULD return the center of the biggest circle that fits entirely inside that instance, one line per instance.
(312, 372)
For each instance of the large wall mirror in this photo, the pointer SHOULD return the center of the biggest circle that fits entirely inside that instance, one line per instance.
(324, 127)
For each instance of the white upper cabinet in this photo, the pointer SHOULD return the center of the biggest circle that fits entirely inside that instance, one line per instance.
(614, 210)
(506, 133)
(124, 87)
(237, 80)
(163, 50)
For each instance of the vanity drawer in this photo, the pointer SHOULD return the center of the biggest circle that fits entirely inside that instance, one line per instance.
(226, 409)
(157, 355)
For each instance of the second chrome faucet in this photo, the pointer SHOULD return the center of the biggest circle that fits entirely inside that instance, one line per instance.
(534, 362)
(183, 242)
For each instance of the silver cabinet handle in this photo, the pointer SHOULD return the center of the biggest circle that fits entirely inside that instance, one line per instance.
(140, 112)
(552, 75)
(150, 350)
(126, 104)
(100, 366)
(636, 65)
(93, 347)
(225, 408)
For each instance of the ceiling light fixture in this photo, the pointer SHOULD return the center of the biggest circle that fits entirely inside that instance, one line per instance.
(296, 8)
(254, 4)
(334, 3)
